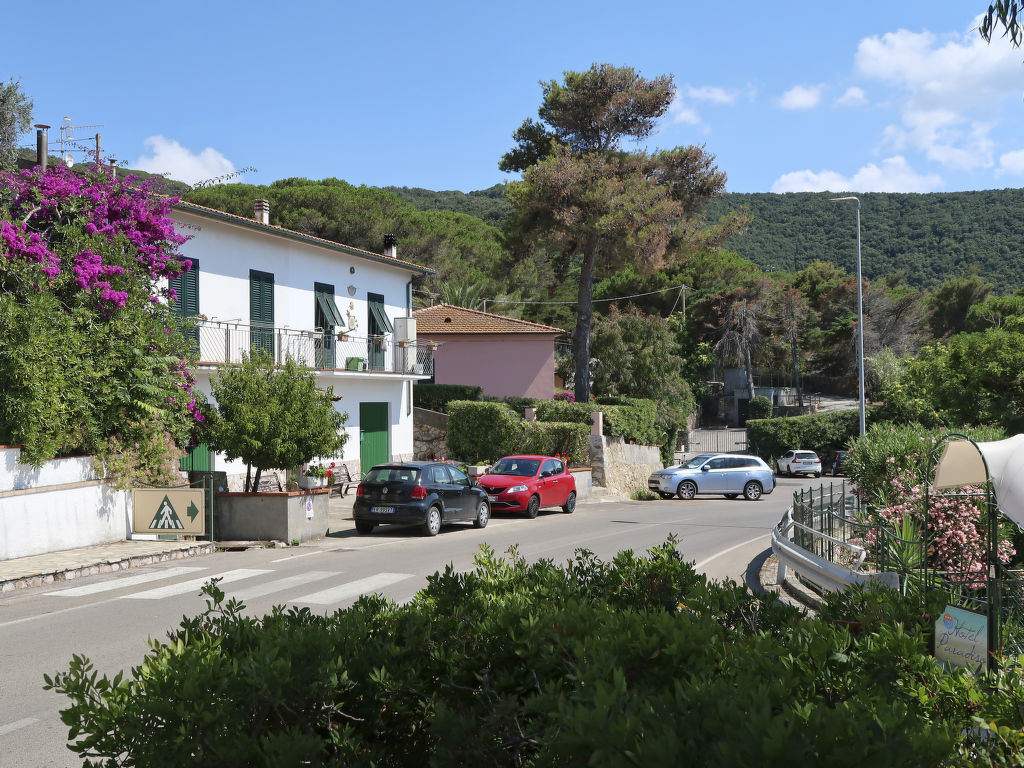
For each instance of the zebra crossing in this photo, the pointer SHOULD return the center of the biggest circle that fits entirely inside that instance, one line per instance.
(240, 583)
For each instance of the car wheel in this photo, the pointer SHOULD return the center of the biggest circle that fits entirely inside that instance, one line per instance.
(570, 503)
(364, 526)
(533, 507)
(731, 495)
(817, 474)
(686, 490)
(752, 491)
(665, 495)
(834, 473)
(432, 524)
(483, 514)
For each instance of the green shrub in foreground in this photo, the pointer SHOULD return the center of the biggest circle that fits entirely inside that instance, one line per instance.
(637, 661)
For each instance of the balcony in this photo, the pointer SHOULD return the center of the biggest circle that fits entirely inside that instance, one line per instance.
(224, 343)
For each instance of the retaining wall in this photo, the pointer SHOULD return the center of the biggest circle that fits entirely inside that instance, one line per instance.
(61, 505)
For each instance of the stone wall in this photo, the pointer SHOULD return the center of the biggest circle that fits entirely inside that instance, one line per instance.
(622, 467)
(429, 434)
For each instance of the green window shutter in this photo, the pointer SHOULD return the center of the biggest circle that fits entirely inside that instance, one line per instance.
(328, 310)
(261, 298)
(187, 287)
(378, 315)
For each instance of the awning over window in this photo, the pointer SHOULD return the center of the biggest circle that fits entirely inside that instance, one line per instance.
(381, 317)
(329, 310)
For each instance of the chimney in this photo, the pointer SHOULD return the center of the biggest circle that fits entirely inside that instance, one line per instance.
(390, 246)
(263, 212)
(42, 148)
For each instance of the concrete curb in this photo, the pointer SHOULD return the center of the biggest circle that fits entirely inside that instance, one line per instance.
(111, 565)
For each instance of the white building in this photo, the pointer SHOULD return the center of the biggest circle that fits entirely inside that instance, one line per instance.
(343, 311)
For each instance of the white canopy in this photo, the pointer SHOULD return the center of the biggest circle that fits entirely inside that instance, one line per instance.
(962, 464)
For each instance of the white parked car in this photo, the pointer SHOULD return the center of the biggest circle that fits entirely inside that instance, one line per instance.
(727, 474)
(799, 463)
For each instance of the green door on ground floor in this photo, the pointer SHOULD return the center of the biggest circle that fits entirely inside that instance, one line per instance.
(373, 435)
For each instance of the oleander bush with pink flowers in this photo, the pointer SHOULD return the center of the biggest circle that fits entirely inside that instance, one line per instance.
(92, 360)
(889, 467)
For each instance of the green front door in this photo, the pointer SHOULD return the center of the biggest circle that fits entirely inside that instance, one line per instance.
(373, 435)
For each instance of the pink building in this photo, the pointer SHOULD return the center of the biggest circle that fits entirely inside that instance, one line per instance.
(505, 356)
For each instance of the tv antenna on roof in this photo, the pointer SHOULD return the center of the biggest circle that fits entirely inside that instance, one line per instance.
(69, 144)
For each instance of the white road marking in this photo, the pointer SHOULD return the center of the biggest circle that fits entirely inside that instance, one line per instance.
(17, 725)
(127, 581)
(715, 556)
(304, 554)
(193, 586)
(281, 584)
(353, 589)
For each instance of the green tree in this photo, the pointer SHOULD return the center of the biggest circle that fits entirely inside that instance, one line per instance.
(15, 119)
(951, 302)
(792, 314)
(583, 197)
(1003, 14)
(638, 356)
(272, 417)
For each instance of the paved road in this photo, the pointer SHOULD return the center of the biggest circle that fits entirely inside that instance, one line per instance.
(110, 618)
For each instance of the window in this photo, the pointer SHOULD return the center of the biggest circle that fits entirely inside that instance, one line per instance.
(379, 323)
(458, 476)
(261, 311)
(186, 285)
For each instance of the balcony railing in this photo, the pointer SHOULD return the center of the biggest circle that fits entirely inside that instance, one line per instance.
(225, 343)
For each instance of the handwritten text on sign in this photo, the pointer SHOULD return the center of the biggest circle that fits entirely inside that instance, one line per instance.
(961, 638)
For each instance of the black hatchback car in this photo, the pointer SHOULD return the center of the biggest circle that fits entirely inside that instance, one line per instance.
(838, 463)
(427, 493)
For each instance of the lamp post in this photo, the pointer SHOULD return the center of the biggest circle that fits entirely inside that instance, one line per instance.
(860, 314)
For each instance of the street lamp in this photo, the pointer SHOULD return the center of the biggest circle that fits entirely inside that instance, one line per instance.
(860, 314)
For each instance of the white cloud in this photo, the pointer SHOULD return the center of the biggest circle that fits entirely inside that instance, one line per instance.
(894, 175)
(1011, 162)
(854, 97)
(801, 97)
(952, 86)
(712, 93)
(168, 157)
(682, 109)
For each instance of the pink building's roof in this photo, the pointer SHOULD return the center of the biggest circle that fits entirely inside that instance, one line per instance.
(446, 318)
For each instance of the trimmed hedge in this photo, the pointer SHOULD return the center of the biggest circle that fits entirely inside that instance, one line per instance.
(435, 397)
(819, 432)
(760, 408)
(484, 432)
(560, 410)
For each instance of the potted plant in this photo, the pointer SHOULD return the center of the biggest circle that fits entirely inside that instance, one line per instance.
(342, 336)
(315, 476)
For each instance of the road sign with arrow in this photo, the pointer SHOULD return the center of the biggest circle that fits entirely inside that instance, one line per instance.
(169, 511)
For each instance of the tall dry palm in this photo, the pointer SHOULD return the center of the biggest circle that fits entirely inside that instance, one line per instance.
(740, 333)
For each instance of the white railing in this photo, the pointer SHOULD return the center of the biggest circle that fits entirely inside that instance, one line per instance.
(227, 343)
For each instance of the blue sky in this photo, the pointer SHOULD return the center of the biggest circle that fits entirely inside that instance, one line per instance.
(789, 96)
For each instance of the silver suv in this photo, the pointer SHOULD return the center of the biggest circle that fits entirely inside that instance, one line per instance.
(728, 474)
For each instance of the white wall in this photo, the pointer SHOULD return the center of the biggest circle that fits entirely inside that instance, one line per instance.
(58, 506)
(226, 252)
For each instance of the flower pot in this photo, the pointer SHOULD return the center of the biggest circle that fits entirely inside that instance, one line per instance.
(342, 337)
(312, 482)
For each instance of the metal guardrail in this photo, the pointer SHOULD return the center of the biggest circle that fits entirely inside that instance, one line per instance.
(826, 575)
(226, 343)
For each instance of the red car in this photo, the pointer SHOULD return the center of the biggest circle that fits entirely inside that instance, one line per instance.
(528, 483)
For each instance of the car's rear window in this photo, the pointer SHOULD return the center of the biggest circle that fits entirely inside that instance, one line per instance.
(392, 475)
(806, 455)
(515, 467)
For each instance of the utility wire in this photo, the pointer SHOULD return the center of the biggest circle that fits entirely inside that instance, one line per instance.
(679, 288)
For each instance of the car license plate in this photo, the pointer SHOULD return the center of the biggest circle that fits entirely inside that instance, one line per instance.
(382, 510)
(492, 498)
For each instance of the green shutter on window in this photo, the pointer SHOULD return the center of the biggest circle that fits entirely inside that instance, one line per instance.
(186, 285)
(261, 310)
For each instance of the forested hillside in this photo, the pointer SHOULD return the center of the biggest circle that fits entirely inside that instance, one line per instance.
(487, 204)
(927, 237)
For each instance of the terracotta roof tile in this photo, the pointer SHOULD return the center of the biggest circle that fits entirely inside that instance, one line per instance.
(445, 318)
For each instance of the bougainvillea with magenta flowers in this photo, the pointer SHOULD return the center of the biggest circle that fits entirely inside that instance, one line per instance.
(93, 360)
